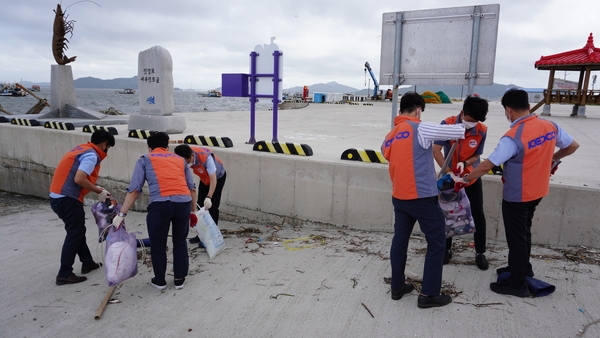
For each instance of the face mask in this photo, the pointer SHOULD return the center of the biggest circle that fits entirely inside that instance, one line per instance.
(508, 119)
(469, 125)
(189, 165)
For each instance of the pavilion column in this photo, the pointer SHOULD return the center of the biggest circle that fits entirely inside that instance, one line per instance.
(548, 99)
(580, 92)
(586, 83)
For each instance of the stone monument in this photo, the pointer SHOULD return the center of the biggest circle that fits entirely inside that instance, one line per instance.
(155, 90)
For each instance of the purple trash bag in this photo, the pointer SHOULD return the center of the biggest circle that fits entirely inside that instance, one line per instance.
(104, 212)
(120, 260)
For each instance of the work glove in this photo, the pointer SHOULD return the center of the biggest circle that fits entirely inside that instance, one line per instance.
(459, 182)
(103, 195)
(554, 167)
(460, 168)
(193, 220)
(118, 221)
(207, 203)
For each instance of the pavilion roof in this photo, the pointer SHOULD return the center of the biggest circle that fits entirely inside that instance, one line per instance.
(574, 59)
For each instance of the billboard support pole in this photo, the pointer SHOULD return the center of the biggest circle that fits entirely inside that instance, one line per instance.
(474, 50)
(397, 64)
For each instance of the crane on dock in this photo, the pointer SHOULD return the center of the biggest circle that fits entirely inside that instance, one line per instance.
(377, 94)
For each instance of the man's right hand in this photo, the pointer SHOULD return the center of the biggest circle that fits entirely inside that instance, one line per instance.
(103, 195)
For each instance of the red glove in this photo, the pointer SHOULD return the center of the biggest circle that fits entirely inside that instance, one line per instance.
(459, 182)
(554, 167)
(193, 220)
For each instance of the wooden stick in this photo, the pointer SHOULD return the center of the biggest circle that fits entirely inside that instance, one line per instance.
(32, 94)
(109, 293)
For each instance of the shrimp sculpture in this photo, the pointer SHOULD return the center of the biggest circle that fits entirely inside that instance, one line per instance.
(62, 27)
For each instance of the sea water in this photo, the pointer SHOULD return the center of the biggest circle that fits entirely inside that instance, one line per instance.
(103, 99)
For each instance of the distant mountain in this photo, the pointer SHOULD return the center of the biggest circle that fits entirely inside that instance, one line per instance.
(119, 83)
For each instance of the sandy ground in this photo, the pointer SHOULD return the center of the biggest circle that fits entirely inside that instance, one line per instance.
(281, 281)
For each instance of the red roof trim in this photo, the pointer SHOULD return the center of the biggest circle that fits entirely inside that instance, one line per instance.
(586, 55)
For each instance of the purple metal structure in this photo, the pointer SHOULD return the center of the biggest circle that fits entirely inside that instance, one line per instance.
(236, 85)
(253, 96)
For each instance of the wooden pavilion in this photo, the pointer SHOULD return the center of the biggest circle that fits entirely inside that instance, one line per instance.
(584, 60)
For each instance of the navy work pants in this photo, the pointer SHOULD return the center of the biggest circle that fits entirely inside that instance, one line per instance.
(216, 197)
(161, 215)
(431, 220)
(475, 194)
(71, 212)
(518, 218)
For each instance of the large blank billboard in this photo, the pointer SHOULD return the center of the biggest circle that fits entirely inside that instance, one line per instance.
(436, 45)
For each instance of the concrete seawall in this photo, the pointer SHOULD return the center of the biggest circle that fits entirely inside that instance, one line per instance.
(277, 188)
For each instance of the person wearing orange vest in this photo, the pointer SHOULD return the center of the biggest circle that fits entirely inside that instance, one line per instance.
(75, 176)
(528, 153)
(211, 171)
(465, 158)
(408, 148)
(172, 197)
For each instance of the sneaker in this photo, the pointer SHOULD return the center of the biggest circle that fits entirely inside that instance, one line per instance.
(156, 285)
(425, 302)
(507, 269)
(447, 256)
(194, 240)
(179, 283)
(88, 268)
(505, 288)
(397, 294)
(70, 279)
(481, 261)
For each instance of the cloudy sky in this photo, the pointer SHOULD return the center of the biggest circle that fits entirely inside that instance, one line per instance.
(322, 41)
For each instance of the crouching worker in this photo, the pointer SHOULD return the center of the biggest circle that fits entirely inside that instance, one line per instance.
(172, 197)
(212, 175)
(75, 176)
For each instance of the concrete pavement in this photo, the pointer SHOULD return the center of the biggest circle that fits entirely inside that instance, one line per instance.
(258, 287)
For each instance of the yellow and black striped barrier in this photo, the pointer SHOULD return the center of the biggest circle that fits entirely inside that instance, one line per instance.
(25, 122)
(363, 155)
(140, 133)
(367, 104)
(353, 103)
(496, 170)
(211, 141)
(89, 128)
(59, 125)
(283, 148)
(3, 119)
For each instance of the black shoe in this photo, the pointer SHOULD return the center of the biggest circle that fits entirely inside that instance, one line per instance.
(179, 283)
(71, 279)
(435, 301)
(158, 286)
(482, 263)
(194, 240)
(507, 269)
(88, 268)
(447, 256)
(506, 289)
(397, 294)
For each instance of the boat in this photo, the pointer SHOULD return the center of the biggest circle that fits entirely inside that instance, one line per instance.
(211, 93)
(35, 88)
(125, 91)
(11, 90)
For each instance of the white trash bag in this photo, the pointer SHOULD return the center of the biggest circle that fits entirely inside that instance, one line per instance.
(209, 233)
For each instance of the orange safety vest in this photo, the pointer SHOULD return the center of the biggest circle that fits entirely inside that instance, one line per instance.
(466, 148)
(410, 166)
(165, 173)
(63, 181)
(526, 176)
(199, 165)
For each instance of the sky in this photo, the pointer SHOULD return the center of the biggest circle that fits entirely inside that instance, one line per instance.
(321, 40)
